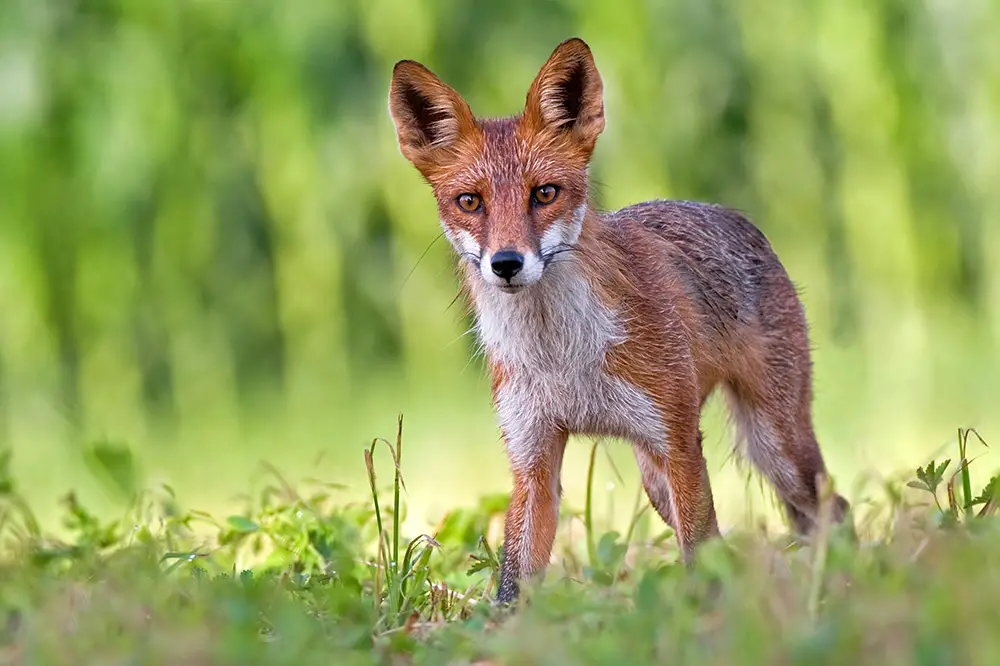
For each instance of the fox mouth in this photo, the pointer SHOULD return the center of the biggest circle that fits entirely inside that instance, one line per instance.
(511, 288)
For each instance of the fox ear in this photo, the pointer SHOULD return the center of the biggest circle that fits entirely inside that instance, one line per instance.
(428, 114)
(568, 95)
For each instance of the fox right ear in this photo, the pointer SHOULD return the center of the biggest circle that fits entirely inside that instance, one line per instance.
(568, 95)
(428, 114)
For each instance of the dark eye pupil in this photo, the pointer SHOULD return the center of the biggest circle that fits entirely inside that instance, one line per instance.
(545, 193)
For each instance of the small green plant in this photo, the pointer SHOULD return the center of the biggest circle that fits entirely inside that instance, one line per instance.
(17, 521)
(960, 505)
(607, 551)
(402, 584)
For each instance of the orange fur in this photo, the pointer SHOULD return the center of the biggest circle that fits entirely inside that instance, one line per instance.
(617, 324)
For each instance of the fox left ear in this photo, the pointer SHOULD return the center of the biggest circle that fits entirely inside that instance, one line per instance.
(568, 95)
(429, 115)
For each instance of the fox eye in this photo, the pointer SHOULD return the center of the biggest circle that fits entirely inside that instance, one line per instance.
(544, 195)
(469, 203)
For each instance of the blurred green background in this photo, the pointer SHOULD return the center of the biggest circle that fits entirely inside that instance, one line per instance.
(212, 251)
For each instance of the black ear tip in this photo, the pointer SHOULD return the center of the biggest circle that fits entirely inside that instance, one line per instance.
(575, 44)
(402, 66)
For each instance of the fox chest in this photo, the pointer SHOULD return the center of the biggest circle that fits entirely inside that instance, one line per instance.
(552, 355)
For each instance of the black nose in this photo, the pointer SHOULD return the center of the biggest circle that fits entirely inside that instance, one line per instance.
(506, 264)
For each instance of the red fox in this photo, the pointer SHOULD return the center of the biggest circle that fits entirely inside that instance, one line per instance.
(615, 324)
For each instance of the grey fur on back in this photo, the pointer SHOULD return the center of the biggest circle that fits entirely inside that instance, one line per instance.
(723, 257)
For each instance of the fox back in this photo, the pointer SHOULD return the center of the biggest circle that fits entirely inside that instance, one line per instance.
(617, 324)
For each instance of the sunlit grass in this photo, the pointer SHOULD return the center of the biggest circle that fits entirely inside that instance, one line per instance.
(300, 575)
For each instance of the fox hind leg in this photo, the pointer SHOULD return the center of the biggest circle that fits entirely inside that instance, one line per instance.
(776, 429)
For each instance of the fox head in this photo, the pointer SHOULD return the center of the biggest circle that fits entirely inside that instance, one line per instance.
(511, 192)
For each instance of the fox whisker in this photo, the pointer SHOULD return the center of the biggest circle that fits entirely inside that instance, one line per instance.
(562, 248)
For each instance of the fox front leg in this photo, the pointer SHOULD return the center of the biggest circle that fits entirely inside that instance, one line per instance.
(533, 513)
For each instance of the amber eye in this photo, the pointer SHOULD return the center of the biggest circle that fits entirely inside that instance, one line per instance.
(470, 203)
(544, 195)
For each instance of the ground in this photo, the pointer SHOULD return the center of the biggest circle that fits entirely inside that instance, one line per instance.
(302, 578)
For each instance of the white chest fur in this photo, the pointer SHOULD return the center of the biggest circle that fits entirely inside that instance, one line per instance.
(551, 341)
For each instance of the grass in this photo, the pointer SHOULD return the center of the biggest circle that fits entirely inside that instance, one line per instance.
(303, 577)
